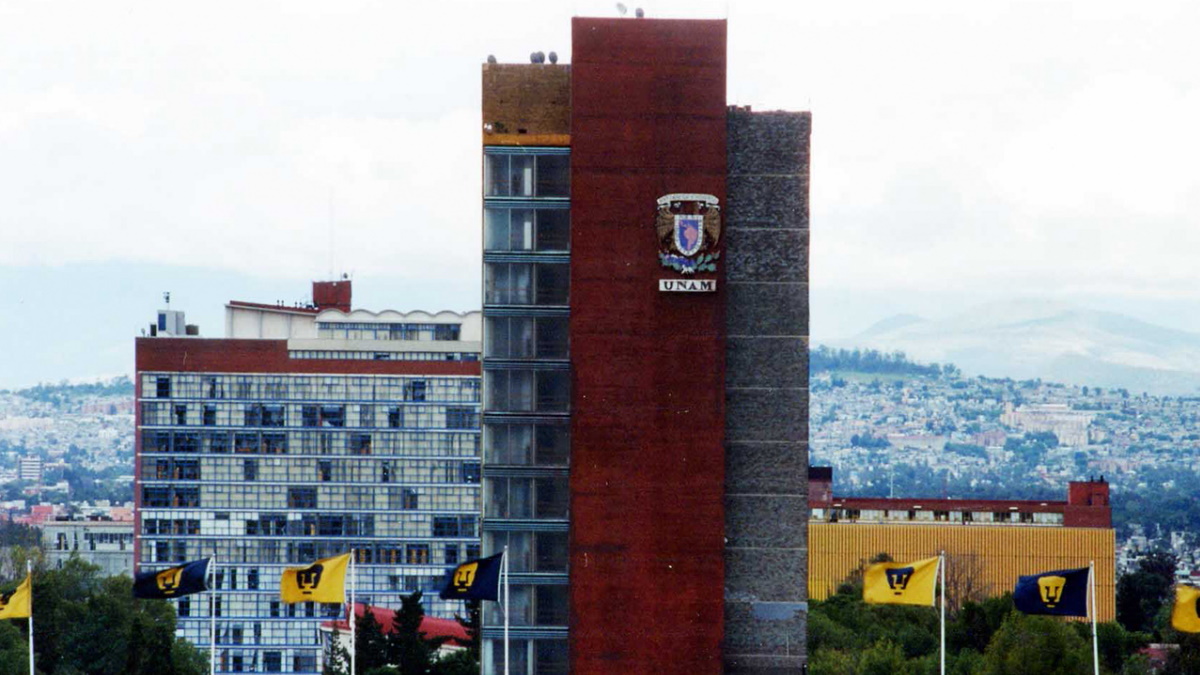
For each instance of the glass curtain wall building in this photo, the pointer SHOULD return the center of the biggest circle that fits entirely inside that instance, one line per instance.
(266, 461)
(527, 399)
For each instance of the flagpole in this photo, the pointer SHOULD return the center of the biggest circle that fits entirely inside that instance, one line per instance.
(1095, 640)
(212, 617)
(353, 646)
(942, 571)
(504, 569)
(29, 572)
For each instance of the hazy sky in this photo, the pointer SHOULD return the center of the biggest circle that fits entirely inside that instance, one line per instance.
(961, 151)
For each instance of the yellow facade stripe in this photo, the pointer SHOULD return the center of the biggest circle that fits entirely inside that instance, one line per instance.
(531, 140)
(997, 555)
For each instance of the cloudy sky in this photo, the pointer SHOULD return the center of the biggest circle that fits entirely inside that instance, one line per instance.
(962, 152)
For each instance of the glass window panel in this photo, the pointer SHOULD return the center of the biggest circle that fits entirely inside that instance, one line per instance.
(520, 175)
(551, 611)
(551, 552)
(554, 176)
(553, 391)
(551, 497)
(550, 656)
(552, 337)
(553, 284)
(553, 230)
(553, 444)
(495, 176)
(495, 229)
(521, 230)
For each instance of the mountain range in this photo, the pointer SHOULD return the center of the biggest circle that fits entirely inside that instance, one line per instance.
(1027, 339)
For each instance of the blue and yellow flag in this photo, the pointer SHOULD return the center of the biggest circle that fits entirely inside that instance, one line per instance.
(322, 581)
(474, 580)
(901, 583)
(1061, 593)
(1185, 616)
(173, 582)
(18, 603)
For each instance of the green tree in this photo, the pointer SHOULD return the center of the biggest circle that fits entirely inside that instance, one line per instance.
(1142, 593)
(408, 648)
(370, 645)
(85, 623)
(883, 658)
(1036, 645)
(337, 659)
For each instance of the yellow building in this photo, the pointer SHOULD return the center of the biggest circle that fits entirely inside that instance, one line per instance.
(988, 544)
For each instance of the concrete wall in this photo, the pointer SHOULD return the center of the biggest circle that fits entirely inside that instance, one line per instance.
(766, 389)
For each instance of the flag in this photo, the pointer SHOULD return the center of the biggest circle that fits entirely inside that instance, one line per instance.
(1062, 593)
(17, 603)
(474, 580)
(173, 582)
(901, 583)
(1185, 617)
(322, 581)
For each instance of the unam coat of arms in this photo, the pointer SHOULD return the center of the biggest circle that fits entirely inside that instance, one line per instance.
(688, 227)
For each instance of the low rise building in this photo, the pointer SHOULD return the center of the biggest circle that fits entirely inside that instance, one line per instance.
(988, 543)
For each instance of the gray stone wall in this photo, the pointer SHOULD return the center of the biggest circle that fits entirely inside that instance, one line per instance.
(766, 393)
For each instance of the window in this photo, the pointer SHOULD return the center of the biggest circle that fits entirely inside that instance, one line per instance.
(446, 331)
(393, 417)
(162, 387)
(360, 444)
(210, 415)
(325, 470)
(272, 415)
(250, 469)
(461, 418)
(414, 390)
(303, 663)
(416, 554)
(187, 442)
(272, 662)
(274, 443)
(302, 498)
(218, 442)
(245, 443)
(185, 607)
(525, 229)
(180, 414)
(469, 472)
(451, 554)
(333, 416)
(410, 499)
(526, 175)
(310, 416)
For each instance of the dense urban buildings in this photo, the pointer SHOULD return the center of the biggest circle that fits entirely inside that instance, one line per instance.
(988, 543)
(645, 378)
(311, 430)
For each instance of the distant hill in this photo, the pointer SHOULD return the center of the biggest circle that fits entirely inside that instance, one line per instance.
(1027, 339)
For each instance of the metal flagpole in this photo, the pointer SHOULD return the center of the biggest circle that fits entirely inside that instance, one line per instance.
(942, 573)
(212, 616)
(353, 646)
(504, 569)
(1095, 640)
(29, 571)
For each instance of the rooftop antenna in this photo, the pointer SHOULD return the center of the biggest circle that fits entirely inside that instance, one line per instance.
(167, 297)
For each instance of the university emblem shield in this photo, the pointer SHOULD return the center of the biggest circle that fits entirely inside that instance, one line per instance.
(689, 233)
(689, 228)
